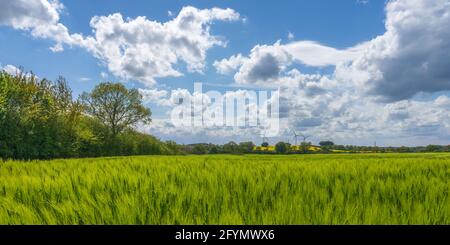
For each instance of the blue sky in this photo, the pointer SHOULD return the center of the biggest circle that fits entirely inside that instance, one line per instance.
(360, 70)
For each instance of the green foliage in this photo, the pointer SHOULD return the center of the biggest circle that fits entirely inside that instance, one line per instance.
(225, 189)
(117, 107)
(304, 147)
(173, 147)
(232, 148)
(214, 150)
(39, 119)
(247, 147)
(281, 148)
(326, 143)
(199, 149)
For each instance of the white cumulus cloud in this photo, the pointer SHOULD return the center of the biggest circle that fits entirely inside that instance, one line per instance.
(10, 69)
(142, 49)
(132, 48)
(412, 56)
(40, 18)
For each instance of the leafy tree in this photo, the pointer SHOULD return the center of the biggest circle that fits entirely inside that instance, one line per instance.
(173, 147)
(247, 147)
(199, 149)
(304, 147)
(116, 106)
(281, 148)
(433, 148)
(38, 117)
(404, 149)
(232, 147)
(326, 143)
(214, 150)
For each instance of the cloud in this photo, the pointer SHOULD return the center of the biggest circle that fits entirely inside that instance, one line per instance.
(370, 94)
(266, 63)
(171, 98)
(142, 49)
(290, 36)
(40, 18)
(24, 14)
(104, 75)
(85, 79)
(132, 49)
(163, 128)
(363, 2)
(154, 96)
(320, 106)
(412, 56)
(13, 70)
(227, 66)
(10, 69)
(314, 54)
(208, 131)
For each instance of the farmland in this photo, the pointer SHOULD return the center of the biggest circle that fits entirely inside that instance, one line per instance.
(229, 189)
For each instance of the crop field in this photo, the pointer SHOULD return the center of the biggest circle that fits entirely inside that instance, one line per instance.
(228, 189)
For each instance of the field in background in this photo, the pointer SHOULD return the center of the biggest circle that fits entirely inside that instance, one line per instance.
(224, 189)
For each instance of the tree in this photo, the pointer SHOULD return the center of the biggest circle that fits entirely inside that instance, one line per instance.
(246, 147)
(281, 148)
(199, 149)
(116, 106)
(433, 148)
(38, 117)
(231, 147)
(214, 150)
(447, 148)
(326, 143)
(304, 146)
(326, 146)
(173, 147)
(40, 120)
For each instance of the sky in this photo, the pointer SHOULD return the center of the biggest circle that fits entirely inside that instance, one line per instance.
(352, 71)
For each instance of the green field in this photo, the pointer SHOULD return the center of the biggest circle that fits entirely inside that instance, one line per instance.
(225, 189)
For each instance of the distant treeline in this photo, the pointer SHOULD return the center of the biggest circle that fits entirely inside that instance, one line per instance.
(303, 148)
(401, 149)
(39, 119)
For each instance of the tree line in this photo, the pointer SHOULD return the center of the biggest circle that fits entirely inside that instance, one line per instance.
(39, 119)
(324, 147)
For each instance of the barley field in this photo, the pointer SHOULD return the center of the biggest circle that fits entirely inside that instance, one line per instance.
(226, 189)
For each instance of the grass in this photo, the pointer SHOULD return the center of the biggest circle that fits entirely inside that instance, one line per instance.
(222, 189)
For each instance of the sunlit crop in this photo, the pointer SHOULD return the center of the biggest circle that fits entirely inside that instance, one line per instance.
(222, 189)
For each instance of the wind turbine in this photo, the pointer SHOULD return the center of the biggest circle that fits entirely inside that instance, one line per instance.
(264, 138)
(305, 137)
(295, 136)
